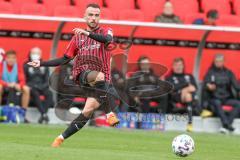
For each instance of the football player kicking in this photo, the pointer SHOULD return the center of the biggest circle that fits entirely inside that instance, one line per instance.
(91, 67)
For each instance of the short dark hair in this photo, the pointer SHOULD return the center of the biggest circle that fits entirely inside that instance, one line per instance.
(178, 59)
(11, 52)
(93, 5)
(213, 13)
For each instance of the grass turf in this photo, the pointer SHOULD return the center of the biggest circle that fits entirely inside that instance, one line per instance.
(32, 142)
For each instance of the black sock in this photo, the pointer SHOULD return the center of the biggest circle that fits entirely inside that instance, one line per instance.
(75, 126)
(189, 110)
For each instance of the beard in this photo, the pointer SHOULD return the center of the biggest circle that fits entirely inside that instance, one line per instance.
(92, 25)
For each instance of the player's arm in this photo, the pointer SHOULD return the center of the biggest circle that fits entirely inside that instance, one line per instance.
(70, 53)
(103, 38)
(50, 63)
(56, 62)
(100, 37)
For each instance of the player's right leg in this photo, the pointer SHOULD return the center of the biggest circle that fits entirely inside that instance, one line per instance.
(97, 79)
(77, 124)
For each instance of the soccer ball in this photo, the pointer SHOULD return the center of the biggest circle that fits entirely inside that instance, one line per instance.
(183, 145)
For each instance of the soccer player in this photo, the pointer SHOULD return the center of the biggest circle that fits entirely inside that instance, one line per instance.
(91, 67)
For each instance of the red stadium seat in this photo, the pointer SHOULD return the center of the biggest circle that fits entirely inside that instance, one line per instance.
(228, 20)
(120, 4)
(189, 18)
(107, 14)
(131, 14)
(184, 7)
(223, 6)
(17, 4)
(6, 7)
(227, 108)
(151, 8)
(52, 4)
(34, 9)
(236, 6)
(66, 11)
(84, 3)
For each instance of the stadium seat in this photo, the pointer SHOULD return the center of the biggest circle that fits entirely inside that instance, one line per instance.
(151, 8)
(131, 14)
(17, 4)
(6, 7)
(52, 4)
(189, 18)
(120, 5)
(107, 14)
(184, 7)
(228, 20)
(236, 6)
(84, 3)
(227, 108)
(66, 11)
(223, 6)
(33, 9)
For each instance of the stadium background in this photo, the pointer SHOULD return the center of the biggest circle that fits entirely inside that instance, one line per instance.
(29, 23)
(25, 24)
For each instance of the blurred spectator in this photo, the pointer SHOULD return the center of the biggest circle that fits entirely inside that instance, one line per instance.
(37, 80)
(12, 78)
(218, 83)
(185, 88)
(145, 75)
(2, 53)
(212, 17)
(168, 15)
(119, 83)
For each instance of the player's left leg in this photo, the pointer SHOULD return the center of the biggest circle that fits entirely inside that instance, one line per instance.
(94, 79)
(97, 79)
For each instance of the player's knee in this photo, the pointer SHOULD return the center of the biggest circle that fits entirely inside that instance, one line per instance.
(87, 112)
(100, 77)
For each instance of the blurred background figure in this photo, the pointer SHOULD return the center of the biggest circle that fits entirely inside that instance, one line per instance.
(12, 80)
(145, 75)
(168, 15)
(219, 83)
(212, 17)
(2, 54)
(37, 80)
(185, 88)
(119, 83)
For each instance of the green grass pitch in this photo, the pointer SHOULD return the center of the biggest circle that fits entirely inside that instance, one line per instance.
(32, 142)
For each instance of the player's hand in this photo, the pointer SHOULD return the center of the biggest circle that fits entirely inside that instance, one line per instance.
(35, 63)
(80, 31)
(11, 85)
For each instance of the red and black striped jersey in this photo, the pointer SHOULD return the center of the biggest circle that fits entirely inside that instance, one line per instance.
(89, 54)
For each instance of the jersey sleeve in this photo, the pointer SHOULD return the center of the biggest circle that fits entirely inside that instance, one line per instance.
(108, 31)
(71, 50)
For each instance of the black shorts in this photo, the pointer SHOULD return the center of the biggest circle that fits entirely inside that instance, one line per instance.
(83, 77)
